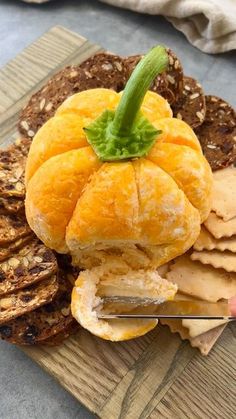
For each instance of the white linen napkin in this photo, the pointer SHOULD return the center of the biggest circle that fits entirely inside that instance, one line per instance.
(209, 25)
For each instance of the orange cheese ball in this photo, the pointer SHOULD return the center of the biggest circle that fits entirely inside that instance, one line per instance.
(76, 203)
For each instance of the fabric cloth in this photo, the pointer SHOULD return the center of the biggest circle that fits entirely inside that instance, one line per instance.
(209, 25)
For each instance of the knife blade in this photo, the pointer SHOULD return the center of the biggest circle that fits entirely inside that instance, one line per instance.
(123, 307)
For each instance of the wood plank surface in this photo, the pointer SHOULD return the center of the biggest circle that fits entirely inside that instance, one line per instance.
(156, 376)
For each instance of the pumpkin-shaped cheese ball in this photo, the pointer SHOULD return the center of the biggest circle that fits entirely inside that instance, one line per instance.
(77, 203)
(114, 175)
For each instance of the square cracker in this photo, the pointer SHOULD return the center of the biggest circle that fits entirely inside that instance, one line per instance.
(202, 281)
(224, 188)
(222, 260)
(204, 342)
(206, 241)
(220, 228)
(197, 327)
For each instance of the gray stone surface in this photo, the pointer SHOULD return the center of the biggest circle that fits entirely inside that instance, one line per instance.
(25, 390)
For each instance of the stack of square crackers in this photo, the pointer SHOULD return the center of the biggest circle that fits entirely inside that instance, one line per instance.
(207, 272)
(34, 291)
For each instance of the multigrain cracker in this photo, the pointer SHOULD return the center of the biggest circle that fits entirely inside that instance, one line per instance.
(201, 281)
(102, 70)
(32, 263)
(218, 132)
(28, 299)
(45, 322)
(220, 228)
(43, 104)
(12, 228)
(222, 260)
(224, 193)
(22, 145)
(12, 164)
(59, 338)
(6, 252)
(11, 205)
(204, 342)
(107, 70)
(191, 106)
(12, 178)
(12, 154)
(206, 241)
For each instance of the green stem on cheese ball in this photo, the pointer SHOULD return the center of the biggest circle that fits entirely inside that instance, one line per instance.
(125, 133)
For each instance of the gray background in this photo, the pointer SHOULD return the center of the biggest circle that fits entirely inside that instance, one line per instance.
(26, 391)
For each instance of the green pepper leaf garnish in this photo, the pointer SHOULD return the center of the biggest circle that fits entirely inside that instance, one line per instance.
(126, 133)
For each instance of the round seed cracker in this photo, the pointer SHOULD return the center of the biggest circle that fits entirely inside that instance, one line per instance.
(191, 105)
(43, 104)
(107, 70)
(217, 134)
(101, 70)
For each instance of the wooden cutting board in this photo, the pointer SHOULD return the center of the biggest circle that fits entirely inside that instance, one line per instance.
(156, 376)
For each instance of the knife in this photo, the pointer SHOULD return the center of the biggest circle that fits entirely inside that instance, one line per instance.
(125, 307)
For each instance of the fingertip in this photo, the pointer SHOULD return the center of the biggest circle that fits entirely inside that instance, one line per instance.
(232, 306)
